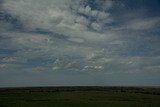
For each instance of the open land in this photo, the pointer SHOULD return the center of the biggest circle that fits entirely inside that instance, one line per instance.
(80, 97)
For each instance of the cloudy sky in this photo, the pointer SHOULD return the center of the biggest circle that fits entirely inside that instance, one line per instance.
(79, 42)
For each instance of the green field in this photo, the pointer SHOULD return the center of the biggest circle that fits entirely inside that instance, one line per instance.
(80, 97)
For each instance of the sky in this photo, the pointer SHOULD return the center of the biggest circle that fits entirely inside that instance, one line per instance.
(79, 43)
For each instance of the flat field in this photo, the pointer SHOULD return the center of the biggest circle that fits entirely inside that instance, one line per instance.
(80, 97)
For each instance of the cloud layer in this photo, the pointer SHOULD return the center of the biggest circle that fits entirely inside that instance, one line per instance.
(79, 36)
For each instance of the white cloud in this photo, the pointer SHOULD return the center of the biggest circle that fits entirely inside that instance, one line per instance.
(82, 20)
(78, 40)
(85, 10)
(143, 24)
(32, 45)
(3, 66)
(57, 16)
(107, 4)
(13, 60)
(96, 26)
(83, 47)
(99, 15)
(93, 68)
(58, 64)
(38, 69)
(39, 13)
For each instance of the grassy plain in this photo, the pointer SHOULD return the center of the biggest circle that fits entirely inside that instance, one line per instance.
(80, 97)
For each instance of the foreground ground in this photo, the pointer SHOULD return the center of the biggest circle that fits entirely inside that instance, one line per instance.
(80, 97)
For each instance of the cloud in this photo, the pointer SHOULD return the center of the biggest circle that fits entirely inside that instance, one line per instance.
(96, 26)
(78, 36)
(107, 4)
(2, 66)
(78, 40)
(84, 42)
(98, 15)
(58, 14)
(144, 24)
(43, 13)
(4, 26)
(13, 60)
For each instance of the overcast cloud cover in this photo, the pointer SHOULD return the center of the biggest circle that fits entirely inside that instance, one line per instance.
(79, 42)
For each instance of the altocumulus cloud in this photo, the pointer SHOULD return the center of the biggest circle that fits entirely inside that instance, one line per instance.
(89, 38)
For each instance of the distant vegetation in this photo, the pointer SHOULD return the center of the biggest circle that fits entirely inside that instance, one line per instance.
(80, 97)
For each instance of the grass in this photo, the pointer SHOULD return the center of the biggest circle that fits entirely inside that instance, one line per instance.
(80, 97)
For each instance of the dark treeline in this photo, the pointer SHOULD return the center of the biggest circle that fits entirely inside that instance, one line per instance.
(143, 90)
